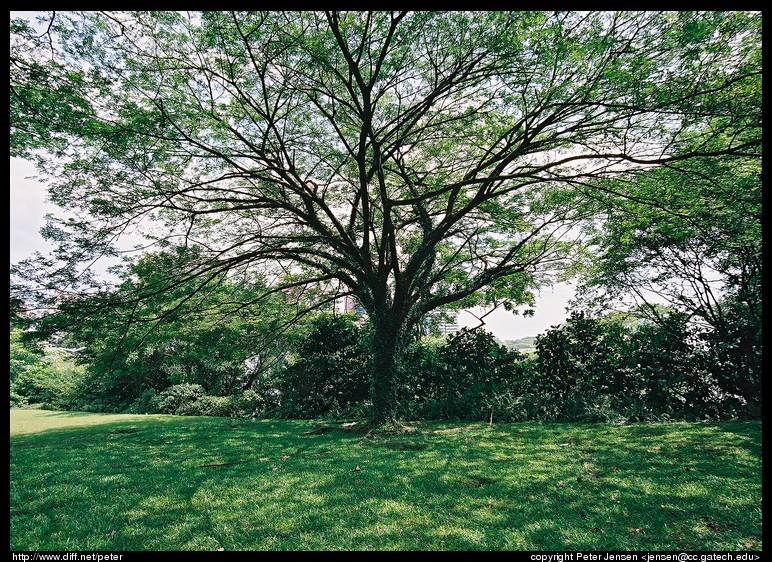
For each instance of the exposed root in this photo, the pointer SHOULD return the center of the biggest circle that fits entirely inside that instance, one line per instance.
(393, 427)
(369, 429)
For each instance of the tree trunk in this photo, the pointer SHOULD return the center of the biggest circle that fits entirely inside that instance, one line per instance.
(384, 389)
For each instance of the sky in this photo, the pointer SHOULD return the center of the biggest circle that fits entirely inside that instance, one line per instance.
(29, 205)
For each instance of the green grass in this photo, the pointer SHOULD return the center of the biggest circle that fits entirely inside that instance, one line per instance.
(136, 482)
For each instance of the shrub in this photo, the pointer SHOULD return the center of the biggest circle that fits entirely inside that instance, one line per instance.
(177, 399)
(206, 406)
(469, 375)
(329, 372)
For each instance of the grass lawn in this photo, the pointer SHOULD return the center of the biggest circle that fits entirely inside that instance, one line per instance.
(135, 482)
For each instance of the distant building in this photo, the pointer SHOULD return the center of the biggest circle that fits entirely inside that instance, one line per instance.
(350, 305)
(448, 327)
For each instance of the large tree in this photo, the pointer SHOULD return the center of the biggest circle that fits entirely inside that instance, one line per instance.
(412, 160)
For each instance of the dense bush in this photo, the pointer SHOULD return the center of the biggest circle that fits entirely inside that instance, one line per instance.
(608, 369)
(467, 376)
(191, 400)
(602, 369)
(178, 399)
(328, 373)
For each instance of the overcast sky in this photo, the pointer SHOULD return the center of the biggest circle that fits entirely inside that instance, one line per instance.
(29, 205)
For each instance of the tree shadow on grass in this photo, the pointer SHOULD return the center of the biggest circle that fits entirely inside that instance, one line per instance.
(209, 483)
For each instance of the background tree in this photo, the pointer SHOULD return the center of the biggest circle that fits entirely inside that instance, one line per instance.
(23, 359)
(413, 160)
(689, 236)
(44, 377)
(225, 337)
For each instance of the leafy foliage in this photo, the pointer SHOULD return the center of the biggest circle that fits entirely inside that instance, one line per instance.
(640, 371)
(413, 160)
(223, 337)
(48, 378)
(460, 378)
(328, 372)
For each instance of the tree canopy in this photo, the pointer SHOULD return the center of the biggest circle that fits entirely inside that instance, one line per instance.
(412, 160)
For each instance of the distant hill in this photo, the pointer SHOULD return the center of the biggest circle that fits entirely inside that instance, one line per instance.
(523, 344)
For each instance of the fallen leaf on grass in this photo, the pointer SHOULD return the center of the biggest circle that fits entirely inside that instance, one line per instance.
(709, 523)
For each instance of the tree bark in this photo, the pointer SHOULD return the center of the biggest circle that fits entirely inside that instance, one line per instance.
(384, 389)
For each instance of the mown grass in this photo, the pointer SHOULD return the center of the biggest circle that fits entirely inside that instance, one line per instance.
(127, 482)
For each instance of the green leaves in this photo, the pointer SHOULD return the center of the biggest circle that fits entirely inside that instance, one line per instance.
(414, 158)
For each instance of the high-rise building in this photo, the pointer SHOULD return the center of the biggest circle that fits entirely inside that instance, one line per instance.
(448, 327)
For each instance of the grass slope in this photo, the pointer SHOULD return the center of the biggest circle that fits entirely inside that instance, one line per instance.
(123, 482)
